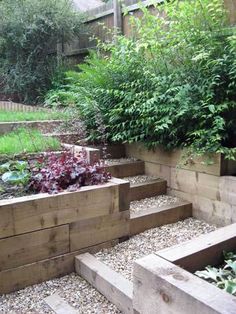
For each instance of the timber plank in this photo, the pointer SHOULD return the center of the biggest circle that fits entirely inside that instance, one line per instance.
(58, 305)
(20, 277)
(174, 158)
(205, 250)
(152, 188)
(89, 232)
(36, 212)
(159, 216)
(34, 246)
(170, 289)
(127, 169)
(112, 285)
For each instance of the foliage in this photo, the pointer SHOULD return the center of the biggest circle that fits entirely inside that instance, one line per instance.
(54, 173)
(29, 32)
(24, 140)
(8, 116)
(171, 84)
(15, 172)
(223, 277)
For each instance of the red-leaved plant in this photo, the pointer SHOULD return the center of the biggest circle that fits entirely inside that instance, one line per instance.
(54, 173)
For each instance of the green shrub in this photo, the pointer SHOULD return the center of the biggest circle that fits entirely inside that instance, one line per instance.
(171, 84)
(29, 32)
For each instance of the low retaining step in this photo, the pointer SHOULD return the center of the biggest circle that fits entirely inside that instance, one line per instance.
(159, 216)
(126, 169)
(147, 189)
(112, 285)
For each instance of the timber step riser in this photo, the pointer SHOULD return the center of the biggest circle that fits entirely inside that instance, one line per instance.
(156, 217)
(127, 169)
(147, 189)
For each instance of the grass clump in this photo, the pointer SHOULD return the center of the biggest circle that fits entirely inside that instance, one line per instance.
(26, 141)
(11, 116)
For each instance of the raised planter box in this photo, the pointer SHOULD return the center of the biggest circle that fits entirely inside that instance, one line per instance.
(42, 228)
(218, 166)
(170, 287)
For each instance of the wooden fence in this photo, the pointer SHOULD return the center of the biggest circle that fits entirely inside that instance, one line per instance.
(12, 106)
(112, 15)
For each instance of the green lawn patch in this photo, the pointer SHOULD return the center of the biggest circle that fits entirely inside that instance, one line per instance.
(11, 116)
(26, 141)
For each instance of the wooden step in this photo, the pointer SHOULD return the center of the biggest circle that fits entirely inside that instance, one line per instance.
(126, 169)
(117, 289)
(147, 189)
(159, 216)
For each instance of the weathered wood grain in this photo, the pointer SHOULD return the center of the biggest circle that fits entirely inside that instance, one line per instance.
(112, 285)
(162, 287)
(20, 277)
(31, 213)
(159, 216)
(34, 246)
(205, 250)
(89, 232)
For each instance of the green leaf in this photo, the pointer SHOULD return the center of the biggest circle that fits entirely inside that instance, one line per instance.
(16, 177)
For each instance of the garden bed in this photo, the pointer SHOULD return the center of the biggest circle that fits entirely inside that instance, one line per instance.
(171, 273)
(42, 230)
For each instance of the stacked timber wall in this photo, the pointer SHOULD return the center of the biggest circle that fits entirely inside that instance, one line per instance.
(211, 188)
(41, 234)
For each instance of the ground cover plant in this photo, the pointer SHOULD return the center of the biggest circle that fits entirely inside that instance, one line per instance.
(8, 116)
(24, 140)
(224, 276)
(29, 33)
(171, 84)
(49, 173)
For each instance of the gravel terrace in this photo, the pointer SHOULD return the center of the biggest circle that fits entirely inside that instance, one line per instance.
(121, 257)
(140, 179)
(156, 201)
(111, 162)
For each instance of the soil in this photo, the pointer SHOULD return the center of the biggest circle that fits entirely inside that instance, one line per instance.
(8, 191)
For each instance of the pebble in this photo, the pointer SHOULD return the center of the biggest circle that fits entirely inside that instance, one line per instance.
(111, 162)
(83, 297)
(122, 256)
(156, 201)
(140, 179)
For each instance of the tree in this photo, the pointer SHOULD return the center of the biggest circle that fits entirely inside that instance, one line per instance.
(29, 33)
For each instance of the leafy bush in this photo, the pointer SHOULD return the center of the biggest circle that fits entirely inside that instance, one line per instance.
(29, 32)
(171, 84)
(53, 173)
(223, 277)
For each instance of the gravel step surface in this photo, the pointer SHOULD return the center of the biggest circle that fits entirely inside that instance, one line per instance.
(111, 162)
(122, 256)
(79, 294)
(72, 288)
(156, 201)
(140, 179)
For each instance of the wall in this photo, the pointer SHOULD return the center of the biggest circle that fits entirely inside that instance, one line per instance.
(41, 234)
(210, 188)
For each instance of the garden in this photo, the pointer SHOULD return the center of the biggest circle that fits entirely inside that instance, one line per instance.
(117, 170)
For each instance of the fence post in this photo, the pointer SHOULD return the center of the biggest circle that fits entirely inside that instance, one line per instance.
(118, 19)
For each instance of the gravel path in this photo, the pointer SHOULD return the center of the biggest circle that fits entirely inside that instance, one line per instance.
(122, 256)
(80, 294)
(72, 288)
(156, 201)
(111, 162)
(140, 179)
